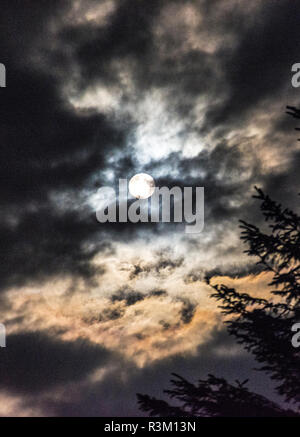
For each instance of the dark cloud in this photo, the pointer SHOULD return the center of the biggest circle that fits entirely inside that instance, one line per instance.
(164, 264)
(47, 149)
(128, 35)
(187, 311)
(158, 293)
(115, 395)
(129, 38)
(130, 297)
(234, 271)
(36, 362)
(259, 66)
(186, 314)
(121, 299)
(44, 243)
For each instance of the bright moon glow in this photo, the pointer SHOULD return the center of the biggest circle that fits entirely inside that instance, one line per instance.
(141, 186)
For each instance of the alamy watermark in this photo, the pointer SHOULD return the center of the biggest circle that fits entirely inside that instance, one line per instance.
(2, 76)
(296, 76)
(2, 335)
(153, 204)
(296, 337)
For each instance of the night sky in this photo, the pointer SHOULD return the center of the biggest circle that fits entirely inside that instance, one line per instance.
(193, 93)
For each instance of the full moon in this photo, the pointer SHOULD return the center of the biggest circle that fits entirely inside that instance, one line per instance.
(141, 186)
